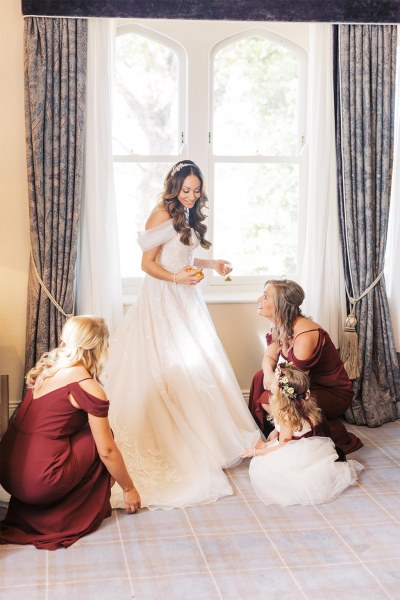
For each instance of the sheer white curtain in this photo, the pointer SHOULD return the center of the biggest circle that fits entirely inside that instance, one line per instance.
(392, 260)
(321, 270)
(99, 289)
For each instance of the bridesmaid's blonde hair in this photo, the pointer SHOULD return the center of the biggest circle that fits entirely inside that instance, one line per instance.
(291, 402)
(84, 341)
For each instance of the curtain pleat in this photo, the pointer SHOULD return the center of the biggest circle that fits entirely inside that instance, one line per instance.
(321, 270)
(55, 80)
(366, 67)
(392, 262)
(99, 288)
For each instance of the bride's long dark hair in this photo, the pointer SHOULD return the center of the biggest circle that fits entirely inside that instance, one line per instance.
(172, 186)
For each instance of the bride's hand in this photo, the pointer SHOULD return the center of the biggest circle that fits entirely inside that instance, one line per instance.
(223, 267)
(189, 275)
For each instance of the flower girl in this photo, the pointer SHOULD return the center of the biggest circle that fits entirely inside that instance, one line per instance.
(294, 465)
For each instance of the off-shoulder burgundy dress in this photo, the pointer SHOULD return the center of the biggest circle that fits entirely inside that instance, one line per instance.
(60, 489)
(329, 384)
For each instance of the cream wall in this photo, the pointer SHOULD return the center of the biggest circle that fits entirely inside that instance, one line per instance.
(240, 330)
(242, 333)
(14, 230)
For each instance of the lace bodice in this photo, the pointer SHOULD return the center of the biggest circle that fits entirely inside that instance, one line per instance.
(173, 254)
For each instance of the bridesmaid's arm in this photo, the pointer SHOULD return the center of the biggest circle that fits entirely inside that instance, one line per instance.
(304, 348)
(112, 459)
(107, 449)
(269, 362)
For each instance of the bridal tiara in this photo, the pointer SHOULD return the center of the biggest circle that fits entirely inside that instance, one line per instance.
(180, 166)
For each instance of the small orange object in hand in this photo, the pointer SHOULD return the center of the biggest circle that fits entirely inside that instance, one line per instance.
(199, 274)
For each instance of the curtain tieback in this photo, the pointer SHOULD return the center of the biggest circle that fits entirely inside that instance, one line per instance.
(365, 292)
(349, 349)
(49, 294)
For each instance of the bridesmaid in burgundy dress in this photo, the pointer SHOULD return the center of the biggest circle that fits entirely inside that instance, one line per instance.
(58, 456)
(301, 341)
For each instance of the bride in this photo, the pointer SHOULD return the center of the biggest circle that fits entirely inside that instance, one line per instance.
(176, 409)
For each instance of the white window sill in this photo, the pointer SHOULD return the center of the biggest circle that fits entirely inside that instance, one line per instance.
(213, 297)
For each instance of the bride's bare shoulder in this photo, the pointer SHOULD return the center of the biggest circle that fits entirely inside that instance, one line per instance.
(158, 216)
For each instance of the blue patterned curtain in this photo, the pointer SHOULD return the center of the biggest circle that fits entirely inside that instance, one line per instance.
(55, 76)
(366, 69)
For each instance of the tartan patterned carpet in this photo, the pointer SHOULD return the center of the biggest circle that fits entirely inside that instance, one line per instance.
(236, 548)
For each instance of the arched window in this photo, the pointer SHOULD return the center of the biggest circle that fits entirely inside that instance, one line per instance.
(236, 107)
(257, 136)
(148, 129)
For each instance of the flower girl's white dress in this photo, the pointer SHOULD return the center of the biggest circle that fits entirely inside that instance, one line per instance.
(176, 409)
(303, 471)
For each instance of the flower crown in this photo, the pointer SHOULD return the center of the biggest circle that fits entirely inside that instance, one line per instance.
(180, 166)
(283, 383)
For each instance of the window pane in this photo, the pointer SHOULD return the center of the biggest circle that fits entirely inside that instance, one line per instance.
(145, 119)
(137, 187)
(256, 92)
(255, 217)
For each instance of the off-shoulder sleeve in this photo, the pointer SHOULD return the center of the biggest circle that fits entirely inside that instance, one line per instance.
(89, 403)
(151, 238)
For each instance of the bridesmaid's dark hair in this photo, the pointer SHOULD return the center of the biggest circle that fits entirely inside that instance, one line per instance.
(172, 186)
(288, 296)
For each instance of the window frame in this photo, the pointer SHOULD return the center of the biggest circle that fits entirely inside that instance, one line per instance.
(130, 285)
(195, 117)
(250, 283)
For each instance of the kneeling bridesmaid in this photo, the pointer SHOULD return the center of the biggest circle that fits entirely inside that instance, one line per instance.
(58, 456)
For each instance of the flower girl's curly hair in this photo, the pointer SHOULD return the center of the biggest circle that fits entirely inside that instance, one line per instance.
(84, 341)
(291, 402)
(172, 186)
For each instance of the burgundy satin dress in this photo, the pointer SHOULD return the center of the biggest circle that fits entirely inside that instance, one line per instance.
(329, 384)
(60, 489)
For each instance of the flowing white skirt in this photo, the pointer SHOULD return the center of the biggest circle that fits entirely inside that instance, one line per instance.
(176, 410)
(302, 472)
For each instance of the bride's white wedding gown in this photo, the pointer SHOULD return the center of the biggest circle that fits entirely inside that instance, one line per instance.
(176, 409)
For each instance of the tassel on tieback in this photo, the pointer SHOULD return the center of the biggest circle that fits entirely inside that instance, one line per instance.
(349, 349)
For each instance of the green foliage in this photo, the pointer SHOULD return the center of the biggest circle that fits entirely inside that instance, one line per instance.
(255, 98)
(145, 98)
